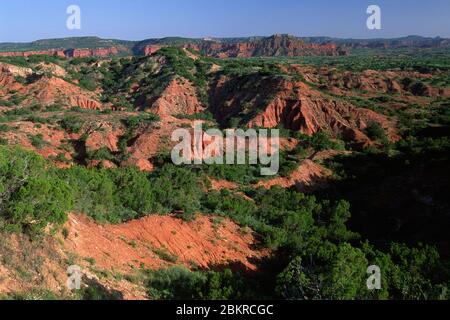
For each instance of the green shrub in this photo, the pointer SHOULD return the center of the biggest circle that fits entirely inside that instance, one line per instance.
(17, 111)
(375, 131)
(54, 107)
(37, 141)
(178, 283)
(88, 83)
(133, 123)
(166, 256)
(5, 128)
(34, 295)
(101, 154)
(322, 141)
(37, 119)
(124, 194)
(197, 116)
(6, 103)
(31, 197)
(72, 124)
(339, 272)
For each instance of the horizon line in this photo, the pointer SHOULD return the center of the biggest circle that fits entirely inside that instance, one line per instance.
(227, 37)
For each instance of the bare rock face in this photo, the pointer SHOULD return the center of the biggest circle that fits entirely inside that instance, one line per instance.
(50, 90)
(51, 68)
(164, 233)
(295, 106)
(85, 103)
(46, 90)
(8, 73)
(151, 49)
(308, 177)
(103, 135)
(15, 70)
(68, 53)
(51, 52)
(277, 45)
(300, 108)
(8, 83)
(98, 52)
(179, 97)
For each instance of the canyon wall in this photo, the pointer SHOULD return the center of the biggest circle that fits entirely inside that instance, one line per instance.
(68, 53)
(274, 46)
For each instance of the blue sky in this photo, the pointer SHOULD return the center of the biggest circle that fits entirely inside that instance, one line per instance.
(27, 20)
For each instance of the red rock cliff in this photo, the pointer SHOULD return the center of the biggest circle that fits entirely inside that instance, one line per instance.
(51, 52)
(69, 53)
(277, 45)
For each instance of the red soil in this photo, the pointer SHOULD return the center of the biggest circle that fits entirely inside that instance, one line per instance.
(203, 242)
(308, 177)
(178, 98)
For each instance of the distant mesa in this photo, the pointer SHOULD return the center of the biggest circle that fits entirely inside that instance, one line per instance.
(273, 46)
(51, 52)
(277, 45)
(68, 53)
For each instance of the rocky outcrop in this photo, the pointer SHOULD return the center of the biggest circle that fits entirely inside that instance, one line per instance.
(151, 49)
(51, 52)
(45, 89)
(198, 241)
(86, 103)
(308, 177)
(300, 108)
(8, 83)
(51, 68)
(103, 135)
(277, 45)
(99, 52)
(50, 90)
(273, 102)
(68, 53)
(179, 97)
(15, 70)
(8, 74)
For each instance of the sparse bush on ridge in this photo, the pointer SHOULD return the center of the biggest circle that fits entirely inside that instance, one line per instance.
(71, 123)
(133, 123)
(88, 83)
(37, 141)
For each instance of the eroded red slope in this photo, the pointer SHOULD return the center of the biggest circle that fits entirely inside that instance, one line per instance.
(159, 241)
